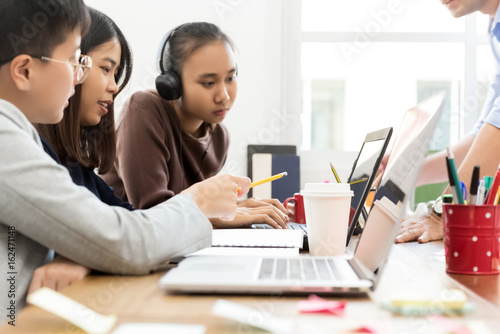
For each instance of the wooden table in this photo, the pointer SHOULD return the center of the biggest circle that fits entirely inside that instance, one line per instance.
(138, 299)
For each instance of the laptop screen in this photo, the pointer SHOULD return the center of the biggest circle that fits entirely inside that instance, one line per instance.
(364, 171)
(398, 183)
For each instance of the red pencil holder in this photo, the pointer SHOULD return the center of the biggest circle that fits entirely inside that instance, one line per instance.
(472, 238)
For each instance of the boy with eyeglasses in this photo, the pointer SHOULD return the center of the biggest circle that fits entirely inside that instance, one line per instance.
(40, 206)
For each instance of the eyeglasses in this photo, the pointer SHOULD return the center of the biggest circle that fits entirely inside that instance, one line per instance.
(81, 67)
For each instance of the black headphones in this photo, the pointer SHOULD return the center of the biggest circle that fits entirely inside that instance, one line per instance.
(168, 83)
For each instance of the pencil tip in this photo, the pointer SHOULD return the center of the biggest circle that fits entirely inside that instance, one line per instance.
(284, 173)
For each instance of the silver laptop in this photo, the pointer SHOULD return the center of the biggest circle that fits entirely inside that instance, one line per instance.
(306, 274)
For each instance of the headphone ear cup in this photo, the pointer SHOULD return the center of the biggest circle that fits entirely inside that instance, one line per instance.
(169, 85)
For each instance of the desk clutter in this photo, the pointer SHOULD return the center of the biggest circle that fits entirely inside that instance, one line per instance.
(472, 238)
(325, 316)
(471, 229)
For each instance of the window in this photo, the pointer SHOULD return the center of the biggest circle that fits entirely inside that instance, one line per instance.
(364, 63)
(326, 109)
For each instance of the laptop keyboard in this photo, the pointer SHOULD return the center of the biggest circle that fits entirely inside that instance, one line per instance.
(302, 227)
(301, 269)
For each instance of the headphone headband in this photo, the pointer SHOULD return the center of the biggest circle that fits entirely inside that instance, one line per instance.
(168, 83)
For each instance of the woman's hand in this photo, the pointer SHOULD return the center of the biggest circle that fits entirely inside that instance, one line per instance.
(245, 217)
(218, 195)
(255, 202)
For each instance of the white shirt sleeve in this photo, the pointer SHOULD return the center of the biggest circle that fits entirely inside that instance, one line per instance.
(491, 109)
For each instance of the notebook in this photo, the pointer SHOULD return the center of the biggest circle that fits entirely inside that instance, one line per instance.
(273, 149)
(266, 165)
(302, 274)
(257, 238)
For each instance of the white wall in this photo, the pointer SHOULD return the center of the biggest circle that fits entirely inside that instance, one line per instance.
(256, 28)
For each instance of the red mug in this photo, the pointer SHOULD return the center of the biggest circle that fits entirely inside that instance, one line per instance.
(299, 215)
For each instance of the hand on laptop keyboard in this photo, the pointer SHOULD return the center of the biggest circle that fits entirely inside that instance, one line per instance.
(255, 202)
(245, 217)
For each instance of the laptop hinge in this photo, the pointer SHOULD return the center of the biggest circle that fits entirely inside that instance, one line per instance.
(361, 270)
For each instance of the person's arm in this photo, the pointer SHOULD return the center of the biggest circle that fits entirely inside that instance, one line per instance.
(39, 199)
(107, 195)
(434, 168)
(482, 140)
(485, 152)
(142, 155)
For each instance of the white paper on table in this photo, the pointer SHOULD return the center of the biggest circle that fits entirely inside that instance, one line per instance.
(252, 317)
(257, 238)
(159, 328)
(72, 311)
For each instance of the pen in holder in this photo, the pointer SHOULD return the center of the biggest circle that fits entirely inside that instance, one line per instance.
(472, 238)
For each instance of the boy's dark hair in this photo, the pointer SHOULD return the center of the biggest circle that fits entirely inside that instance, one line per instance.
(91, 146)
(37, 27)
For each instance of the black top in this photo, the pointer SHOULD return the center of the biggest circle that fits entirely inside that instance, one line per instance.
(87, 178)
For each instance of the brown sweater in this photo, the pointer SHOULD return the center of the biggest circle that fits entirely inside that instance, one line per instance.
(152, 162)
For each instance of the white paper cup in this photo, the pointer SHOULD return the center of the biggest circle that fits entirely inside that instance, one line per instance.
(378, 229)
(327, 207)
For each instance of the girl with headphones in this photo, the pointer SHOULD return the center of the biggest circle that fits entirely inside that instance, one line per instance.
(172, 138)
(85, 140)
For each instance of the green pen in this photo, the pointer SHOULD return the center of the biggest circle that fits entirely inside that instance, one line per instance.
(488, 180)
(454, 174)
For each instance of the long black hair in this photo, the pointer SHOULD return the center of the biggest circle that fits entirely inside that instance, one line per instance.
(91, 146)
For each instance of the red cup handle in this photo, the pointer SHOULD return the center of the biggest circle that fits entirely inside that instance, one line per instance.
(288, 200)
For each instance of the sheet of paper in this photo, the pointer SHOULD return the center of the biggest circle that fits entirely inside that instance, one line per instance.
(159, 328)
(246, 251)
(68, 309)
(257, 238)
(252, 317)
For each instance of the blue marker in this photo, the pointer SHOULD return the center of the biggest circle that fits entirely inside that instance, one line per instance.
(464, 190)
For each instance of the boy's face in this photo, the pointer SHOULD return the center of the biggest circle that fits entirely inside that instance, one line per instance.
(53, 83)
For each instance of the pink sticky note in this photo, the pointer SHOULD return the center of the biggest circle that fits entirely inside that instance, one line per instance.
(364, 329)
(450, 325)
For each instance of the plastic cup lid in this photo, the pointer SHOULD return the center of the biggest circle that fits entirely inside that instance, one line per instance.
(391, 209)
(327, 189)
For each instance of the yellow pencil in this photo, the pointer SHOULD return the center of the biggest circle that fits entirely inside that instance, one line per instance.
(269, 179)
(335, 173)
(360, 180)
